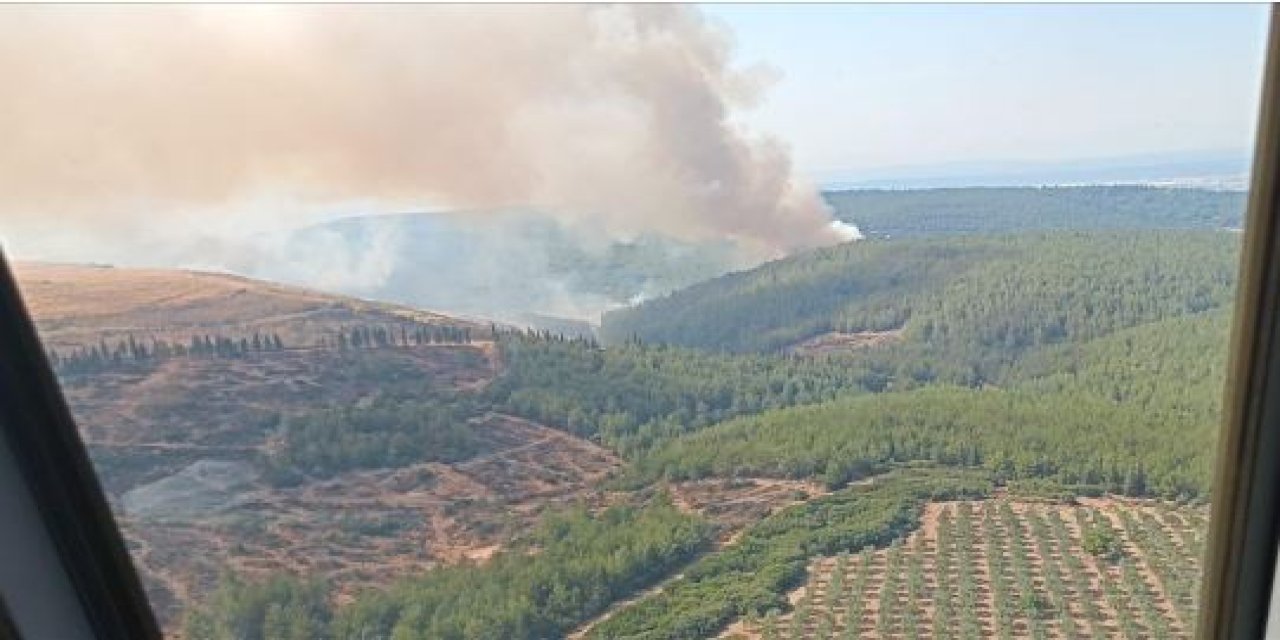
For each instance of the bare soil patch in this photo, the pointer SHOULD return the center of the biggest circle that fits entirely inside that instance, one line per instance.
(368, 528)
(735, 504)
(836, 342)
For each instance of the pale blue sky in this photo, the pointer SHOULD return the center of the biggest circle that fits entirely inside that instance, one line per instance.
(867, 86)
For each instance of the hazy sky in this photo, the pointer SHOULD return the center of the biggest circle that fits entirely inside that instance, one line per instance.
(881, 85)
(133, 127)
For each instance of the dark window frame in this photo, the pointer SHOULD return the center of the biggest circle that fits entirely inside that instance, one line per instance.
(54, 464)
(1241, 552)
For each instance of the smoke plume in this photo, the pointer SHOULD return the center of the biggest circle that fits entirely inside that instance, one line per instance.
(613, 117)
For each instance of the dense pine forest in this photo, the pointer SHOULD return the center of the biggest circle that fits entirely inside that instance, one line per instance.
(632, 396)
(904, 213)
(1083, 363)
(988, 298)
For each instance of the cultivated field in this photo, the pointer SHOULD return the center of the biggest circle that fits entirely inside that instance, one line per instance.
(1006, 568)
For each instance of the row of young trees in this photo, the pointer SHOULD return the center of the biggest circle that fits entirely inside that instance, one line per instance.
(1078, 577)
(376, 336)
(130, 350)
(934, 588)
(834, 613)
(1174, 565)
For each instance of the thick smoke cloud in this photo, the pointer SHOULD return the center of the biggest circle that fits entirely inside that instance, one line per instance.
(615, 117)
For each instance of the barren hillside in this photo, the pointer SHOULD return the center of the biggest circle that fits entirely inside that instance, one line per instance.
(180, 438)
(82, 304)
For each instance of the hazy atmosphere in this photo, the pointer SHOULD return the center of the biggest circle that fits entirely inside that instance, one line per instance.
(206, 137)
(660, 322)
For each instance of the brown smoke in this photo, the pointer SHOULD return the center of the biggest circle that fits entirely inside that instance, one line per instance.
(616, 117)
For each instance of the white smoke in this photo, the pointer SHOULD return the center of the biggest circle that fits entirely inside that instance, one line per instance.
(144, 121)
(845, 231)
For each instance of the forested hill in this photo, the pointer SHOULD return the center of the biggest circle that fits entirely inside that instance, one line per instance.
(882, 213)
(1103, 413)
(974, 301)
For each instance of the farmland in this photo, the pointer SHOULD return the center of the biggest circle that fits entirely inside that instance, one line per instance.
(1007, 568)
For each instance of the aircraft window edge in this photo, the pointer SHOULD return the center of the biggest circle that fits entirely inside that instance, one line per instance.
(55, 466)
(1241, 551)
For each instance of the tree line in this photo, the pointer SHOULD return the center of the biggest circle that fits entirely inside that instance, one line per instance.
(376, 336)
(129, 350)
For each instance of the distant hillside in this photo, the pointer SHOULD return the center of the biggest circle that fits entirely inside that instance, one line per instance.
(1096, 412)
(509, 265)
(530, 268)
(1215, 169)
(220, 449)
(966, 302)
(1099, 412)
(78, 305)
(138, 333)
(927, 212)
